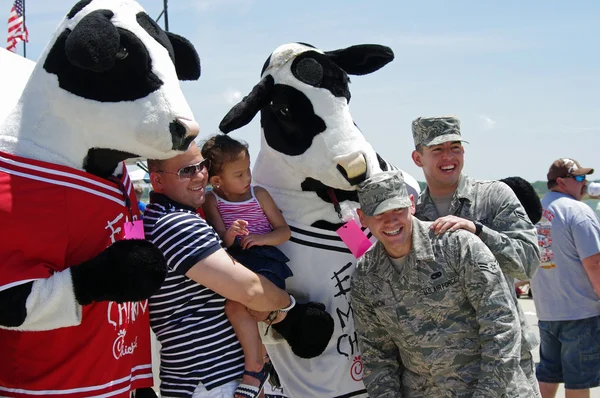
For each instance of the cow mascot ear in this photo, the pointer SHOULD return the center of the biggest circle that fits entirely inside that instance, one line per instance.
(94, 42)
(243, 113)
(527, 196)
(362, 59)
(187, 61)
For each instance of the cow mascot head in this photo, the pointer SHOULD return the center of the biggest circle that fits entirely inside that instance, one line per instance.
(73, 278)
(312, 158)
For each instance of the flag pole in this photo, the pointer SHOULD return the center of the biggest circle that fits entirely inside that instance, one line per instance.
(26, 34)
(166, 15)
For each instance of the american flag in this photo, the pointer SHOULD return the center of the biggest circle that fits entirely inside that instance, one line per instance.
(16, 28)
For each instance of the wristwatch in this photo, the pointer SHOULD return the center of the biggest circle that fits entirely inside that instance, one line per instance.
(478, 227)
(289, 307)
(273, 314)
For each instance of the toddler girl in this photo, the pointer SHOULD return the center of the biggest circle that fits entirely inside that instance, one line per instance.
(250, 225)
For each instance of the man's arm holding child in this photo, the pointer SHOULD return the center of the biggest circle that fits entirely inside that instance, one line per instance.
(222, 274)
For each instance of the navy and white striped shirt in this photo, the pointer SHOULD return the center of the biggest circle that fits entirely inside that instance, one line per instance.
(198, 342)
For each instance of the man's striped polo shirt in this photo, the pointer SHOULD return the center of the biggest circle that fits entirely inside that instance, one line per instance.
(198, 342)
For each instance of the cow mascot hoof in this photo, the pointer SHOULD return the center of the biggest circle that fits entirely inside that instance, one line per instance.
(128, 270)
(527, 196)
(307, 329)
(75, 272)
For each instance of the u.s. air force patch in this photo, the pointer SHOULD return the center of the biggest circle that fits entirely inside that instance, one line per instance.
(427, 290)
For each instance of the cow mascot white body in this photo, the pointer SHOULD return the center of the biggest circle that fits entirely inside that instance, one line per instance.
(73, 287)
(311, 159)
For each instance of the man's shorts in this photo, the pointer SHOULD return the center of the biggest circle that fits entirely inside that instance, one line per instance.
(570, 353)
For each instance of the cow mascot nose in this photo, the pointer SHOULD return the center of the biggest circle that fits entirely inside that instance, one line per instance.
(353, 167)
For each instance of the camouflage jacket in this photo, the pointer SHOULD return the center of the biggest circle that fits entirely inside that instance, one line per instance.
(507, 232)
(442, 326)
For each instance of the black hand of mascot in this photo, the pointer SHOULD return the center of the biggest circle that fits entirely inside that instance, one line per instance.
(128, 270)
(307, 328)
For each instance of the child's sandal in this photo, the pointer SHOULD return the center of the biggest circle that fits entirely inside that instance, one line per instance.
(248, 391)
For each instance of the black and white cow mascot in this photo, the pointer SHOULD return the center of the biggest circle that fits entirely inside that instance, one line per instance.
(311, 159)
(73, 285)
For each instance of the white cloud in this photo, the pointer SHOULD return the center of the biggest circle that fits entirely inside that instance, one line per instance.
(232, 96)
(488, 122)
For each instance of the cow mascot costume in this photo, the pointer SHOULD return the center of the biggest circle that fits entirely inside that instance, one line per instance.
(312, 158)
(73, 284)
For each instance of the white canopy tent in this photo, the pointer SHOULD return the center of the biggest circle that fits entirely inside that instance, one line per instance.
(15, 74)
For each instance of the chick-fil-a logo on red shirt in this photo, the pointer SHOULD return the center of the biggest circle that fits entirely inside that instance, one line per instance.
(120, 315)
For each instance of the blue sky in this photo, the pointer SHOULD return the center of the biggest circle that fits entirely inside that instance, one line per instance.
(521, 75)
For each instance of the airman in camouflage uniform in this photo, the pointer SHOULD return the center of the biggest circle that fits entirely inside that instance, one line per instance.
(434, 314)
(489, 209)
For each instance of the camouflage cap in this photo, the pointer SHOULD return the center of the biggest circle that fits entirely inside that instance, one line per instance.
(383, 192)
(428, 131)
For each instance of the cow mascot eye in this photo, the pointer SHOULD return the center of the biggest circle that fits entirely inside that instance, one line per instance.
(284, 112)
(122, 53)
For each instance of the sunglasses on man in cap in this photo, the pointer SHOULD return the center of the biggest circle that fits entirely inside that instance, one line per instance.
(576, 178)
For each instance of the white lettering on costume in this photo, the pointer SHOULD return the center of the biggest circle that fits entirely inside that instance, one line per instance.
(111, 225)
(122, 314)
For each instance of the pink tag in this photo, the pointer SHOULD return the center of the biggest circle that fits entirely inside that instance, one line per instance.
(134, 230)
(354, 238)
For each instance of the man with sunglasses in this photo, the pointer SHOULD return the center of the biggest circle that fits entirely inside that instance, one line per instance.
(566, 289)
(488, 209)
(200, 354)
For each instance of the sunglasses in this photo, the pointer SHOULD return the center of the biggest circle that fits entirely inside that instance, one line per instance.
(577, 178)
(188, 172)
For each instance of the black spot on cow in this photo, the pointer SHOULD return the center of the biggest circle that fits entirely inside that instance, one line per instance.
(265, 65)
(306, 44)
(322, 191)
(102, 162)
(289, 122)
(312, 185)
(78, 7)
(309, 71)
(330, 226)
(112, 67)
(318, 70)
(383, 165)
